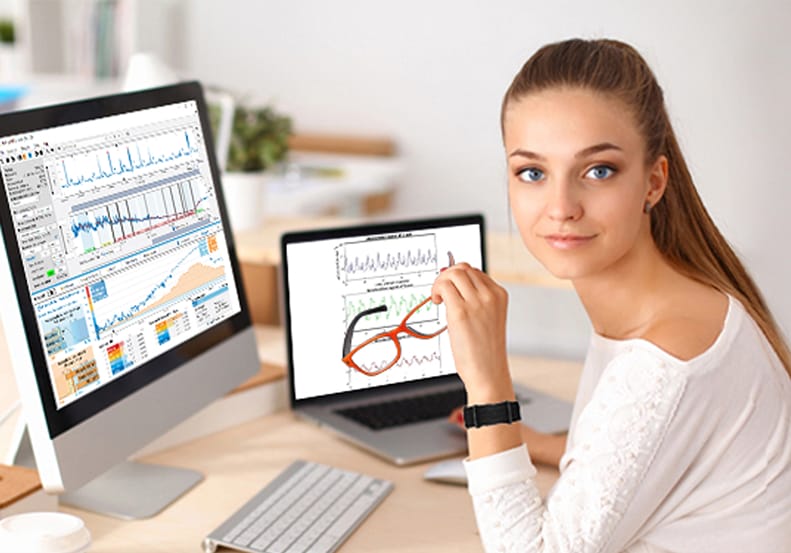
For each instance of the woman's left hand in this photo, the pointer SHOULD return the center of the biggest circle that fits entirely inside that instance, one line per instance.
(546, 449)
(476, 309)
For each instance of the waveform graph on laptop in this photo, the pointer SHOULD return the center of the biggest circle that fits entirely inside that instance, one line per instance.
(389, 256)
(399, 302)
(417, 358)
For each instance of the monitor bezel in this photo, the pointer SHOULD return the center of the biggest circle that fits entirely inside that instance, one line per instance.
(61, 420)
(382, 227)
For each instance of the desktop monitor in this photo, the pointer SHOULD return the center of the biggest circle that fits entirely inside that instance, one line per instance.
(122, 301)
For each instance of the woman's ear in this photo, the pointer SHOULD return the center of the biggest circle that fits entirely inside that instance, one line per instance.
(657, 180)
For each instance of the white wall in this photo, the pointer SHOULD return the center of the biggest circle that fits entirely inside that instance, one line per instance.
(431, 75)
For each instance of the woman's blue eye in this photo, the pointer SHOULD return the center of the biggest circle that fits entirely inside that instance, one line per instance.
(530, 174)
(600, 172)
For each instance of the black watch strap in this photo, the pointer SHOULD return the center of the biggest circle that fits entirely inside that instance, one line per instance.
(504, 412)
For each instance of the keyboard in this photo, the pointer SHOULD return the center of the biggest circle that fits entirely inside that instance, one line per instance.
(309, 507)
(406, 410)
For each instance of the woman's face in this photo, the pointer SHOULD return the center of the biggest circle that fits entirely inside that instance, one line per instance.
(577, 180)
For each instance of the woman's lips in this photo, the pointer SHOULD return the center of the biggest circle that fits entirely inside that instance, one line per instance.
(568, 241)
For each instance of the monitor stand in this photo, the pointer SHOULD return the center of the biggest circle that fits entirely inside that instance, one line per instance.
(129, 491)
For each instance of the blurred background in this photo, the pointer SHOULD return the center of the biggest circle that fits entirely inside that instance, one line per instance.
(428, 78)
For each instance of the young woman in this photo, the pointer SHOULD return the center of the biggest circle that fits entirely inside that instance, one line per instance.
(680, 439)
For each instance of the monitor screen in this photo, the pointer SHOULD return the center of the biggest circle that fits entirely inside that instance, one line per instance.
(112, 222)
(334, 278)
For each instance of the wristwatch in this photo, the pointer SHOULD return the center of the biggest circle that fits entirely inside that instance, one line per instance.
(504, 412)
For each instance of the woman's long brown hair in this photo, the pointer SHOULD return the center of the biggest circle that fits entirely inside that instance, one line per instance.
(680, 225)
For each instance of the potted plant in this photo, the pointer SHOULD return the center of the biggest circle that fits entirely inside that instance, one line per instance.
(258, 141)
(7, 35)
(7, 50)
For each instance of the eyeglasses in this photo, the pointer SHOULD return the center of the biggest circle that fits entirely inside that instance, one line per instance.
(374, 361)
(368, 362)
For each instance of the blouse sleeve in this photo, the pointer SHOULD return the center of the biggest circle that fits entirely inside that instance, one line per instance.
(612, 479)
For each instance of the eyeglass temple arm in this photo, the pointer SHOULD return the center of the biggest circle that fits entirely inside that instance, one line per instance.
(347, 341)
(423, 334)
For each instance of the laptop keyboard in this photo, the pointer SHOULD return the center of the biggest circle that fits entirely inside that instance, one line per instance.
(406, 410)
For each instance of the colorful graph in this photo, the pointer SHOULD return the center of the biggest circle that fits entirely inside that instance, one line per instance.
(162, 330)
(419, 358)
(170, 327)
(390, 257)
(134, 213)
(404, 362)
(122, 159)
(158, 281)
(116, 355)
(74, 372)
(63, 323)
(398, 305)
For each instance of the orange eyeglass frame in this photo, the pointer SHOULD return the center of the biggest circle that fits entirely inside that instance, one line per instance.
(348, 353)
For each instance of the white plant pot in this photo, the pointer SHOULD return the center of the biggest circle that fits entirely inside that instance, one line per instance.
(9, 63)
(244, 199)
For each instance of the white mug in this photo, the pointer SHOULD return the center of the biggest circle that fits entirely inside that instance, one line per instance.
(44, 533)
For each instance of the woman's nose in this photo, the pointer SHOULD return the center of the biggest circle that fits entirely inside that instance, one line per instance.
(563, 203)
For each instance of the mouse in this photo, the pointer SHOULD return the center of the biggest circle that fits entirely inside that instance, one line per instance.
(450, 471)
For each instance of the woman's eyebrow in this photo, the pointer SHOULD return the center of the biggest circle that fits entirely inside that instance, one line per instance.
(596, 148)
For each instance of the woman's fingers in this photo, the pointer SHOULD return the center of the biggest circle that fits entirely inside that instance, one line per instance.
(472, 285)
(462, 280)
(444, 291)
(486, 288)
(457, 417)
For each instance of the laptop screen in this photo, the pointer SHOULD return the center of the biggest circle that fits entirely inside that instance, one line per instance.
(346, 289)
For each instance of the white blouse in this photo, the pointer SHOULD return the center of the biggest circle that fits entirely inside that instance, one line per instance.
(663, 456)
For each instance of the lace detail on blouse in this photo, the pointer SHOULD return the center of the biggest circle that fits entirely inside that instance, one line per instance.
(616, 438)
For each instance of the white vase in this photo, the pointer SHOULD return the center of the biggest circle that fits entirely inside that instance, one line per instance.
(244, 199)
(9, 62)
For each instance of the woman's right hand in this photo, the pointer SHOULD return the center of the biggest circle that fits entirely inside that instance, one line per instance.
(476, 307)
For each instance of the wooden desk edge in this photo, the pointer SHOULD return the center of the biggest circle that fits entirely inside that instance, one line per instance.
(269, 373)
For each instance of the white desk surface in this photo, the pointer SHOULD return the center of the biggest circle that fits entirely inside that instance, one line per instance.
(417, 516)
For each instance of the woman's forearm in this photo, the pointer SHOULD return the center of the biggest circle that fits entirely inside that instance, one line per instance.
(489, 440)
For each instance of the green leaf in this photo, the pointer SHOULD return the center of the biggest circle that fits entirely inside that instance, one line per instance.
(259, 138)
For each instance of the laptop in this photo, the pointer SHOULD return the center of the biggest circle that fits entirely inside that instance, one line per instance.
(367, 354)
